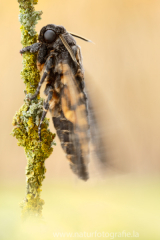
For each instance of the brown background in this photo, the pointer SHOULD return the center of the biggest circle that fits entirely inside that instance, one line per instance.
(122, 69)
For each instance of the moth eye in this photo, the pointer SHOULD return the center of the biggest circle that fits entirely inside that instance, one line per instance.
(49, 36)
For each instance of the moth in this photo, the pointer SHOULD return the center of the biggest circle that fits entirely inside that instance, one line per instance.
(60, 62)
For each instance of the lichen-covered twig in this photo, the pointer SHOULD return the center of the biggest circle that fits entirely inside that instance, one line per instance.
(27, 119)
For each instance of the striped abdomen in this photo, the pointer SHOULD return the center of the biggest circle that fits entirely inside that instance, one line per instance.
(71, 145)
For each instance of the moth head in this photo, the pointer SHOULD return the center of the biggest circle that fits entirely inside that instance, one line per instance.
(50, 33)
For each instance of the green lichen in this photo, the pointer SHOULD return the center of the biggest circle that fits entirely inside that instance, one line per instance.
(27, 119)
(28, 17)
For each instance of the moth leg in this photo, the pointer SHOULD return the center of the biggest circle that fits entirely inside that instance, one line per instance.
(45, 109)
(39, 86)
(49, 64)
(32, 48)
(41, 57)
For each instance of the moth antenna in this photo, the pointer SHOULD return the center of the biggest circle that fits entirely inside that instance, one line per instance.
(68, 48)
(85, 39)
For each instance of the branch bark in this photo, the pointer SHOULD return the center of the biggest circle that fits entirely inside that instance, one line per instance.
(27, 119)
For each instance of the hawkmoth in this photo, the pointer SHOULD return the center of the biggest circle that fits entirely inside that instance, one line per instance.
(60, 62)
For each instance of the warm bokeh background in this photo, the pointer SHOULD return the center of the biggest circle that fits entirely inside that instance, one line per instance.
(122, 72)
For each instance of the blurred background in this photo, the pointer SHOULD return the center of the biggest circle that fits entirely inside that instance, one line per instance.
(122, 76)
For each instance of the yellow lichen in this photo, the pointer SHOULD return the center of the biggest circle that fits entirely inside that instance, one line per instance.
(26, 120)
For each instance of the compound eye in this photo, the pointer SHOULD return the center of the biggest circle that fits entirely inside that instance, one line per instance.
(49, 36)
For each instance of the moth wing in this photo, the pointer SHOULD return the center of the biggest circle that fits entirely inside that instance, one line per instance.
(73, 125)
(98, 146)
(74, 108)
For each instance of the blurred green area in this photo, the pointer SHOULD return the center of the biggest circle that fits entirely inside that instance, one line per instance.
(121, 203)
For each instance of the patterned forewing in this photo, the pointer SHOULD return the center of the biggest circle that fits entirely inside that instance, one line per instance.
(70, 114)
(74, 107)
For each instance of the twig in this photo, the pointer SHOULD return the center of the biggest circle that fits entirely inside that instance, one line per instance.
(27, 119)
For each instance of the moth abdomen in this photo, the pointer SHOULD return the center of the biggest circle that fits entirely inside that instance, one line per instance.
(64, 135)
(71, 145)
